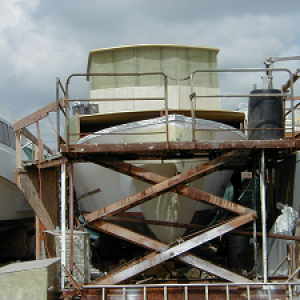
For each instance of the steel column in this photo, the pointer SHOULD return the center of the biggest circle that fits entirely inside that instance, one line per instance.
(63, 221)
(263, 216)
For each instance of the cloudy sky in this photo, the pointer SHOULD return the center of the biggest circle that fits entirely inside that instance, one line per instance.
(44, 39)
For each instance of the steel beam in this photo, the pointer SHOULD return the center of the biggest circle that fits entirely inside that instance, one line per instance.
(153, 222)
(152, 148)
(157, 246)
(153, 178)
(153, 259)
(166, 185)
(36, 116)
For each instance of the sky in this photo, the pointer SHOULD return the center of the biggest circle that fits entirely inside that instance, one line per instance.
(41, 40)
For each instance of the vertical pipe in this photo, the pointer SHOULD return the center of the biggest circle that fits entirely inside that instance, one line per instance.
(124, 294)
(166, 108)
(254, 224)
(248, 292)
(165, 293)
(292, 107)
(57, 114)
(63, 221)
(192, 98)
(271, 196)
(186, 293)
(263, 216)
(37, 238)
(71, 216)
(206, 292)
(67, 118)
(227, 292)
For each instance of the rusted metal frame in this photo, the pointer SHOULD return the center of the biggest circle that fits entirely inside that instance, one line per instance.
(270, 235)
(177, 146)
(166, 107)
(228, 291)
(111, 75)
(159, 188)
(158, 246)
(153, 222)
(194, 226)
(78, 290)
(154, 259)
(40, 210)
(153, 178)
(33, 139)
(59, 107)
(36, 116)
(67, 98)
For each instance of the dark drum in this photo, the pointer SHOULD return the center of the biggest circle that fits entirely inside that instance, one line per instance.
(265, 115)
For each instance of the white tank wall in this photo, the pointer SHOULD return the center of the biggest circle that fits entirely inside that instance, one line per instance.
(175, 61)
(178, 98)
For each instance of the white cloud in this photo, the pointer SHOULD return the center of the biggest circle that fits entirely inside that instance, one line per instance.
(40, 40)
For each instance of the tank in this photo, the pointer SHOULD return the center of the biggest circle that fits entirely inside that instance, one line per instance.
(176, 61)
(265, 115)
(237, 248)
(125, 116)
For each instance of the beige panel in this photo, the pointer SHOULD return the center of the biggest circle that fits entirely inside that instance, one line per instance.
(176, 62)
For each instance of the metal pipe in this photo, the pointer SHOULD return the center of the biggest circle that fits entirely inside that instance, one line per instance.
(293, 111)
(263, 216)
(57, 113)
(192, 98)
(71, 216)
(254, 224)
(270, 235)
(166, 107)
(63, 221)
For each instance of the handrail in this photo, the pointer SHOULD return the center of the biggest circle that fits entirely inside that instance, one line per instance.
(194, 96)
(269, 289)
(68, 100)
(59, 107)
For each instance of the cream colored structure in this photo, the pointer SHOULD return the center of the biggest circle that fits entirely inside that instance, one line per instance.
(176, 61)
(140, 120)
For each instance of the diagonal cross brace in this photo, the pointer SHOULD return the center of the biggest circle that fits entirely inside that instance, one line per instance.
(157, 246)
(163, 184)
(153, 259)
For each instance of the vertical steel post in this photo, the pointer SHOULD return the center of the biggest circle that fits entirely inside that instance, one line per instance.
(67, 116)
(193, 99)
(71, 216)
(292, 107)
(63, 221)
(57, 114)
(166, 107)
(254, 207)
(263, 216)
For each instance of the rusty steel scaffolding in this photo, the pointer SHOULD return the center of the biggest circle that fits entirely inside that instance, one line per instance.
(230, 155)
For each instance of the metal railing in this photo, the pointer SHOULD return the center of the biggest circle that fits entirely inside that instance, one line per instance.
(67, 99)
(193, 97)
(255, 290)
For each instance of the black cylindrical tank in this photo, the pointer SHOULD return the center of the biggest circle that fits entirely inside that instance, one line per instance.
(265, 112)
(236, 250)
